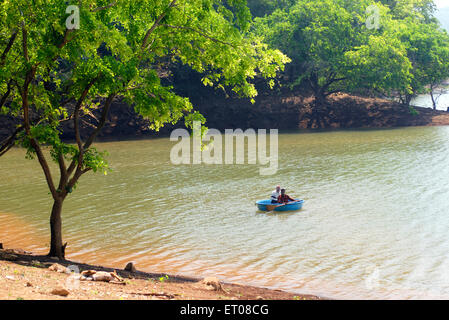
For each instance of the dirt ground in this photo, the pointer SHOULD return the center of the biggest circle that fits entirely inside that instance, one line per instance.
(24, 276)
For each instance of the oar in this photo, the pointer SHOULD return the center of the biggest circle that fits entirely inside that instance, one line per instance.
(271, 207)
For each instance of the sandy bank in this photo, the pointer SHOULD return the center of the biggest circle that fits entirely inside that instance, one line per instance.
(24, 275)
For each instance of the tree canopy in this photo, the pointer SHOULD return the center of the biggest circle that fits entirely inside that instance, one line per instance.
(333, 47)
(428, 51)
(55, 68)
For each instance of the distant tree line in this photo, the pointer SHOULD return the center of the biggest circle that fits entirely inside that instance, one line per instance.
(334, 49)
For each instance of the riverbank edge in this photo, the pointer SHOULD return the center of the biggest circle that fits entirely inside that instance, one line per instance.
(287, 112)
(24, 275)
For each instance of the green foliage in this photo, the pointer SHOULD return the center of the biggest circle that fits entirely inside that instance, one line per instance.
(122, 49)
(428, 50)
(261, 8)
(418, 9)
(332, 49)
(413, 111)
(95, 160)
(379, 65)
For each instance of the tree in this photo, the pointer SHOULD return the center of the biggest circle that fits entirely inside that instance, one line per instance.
(260, 8)
(428, 50)
(426, 43)
(380, 66)
(423, 10)
(52, 71)
(333, 50)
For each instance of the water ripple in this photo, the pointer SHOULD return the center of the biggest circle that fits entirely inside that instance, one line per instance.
(376, 205)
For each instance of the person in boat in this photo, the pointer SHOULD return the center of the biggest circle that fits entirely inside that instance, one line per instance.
(284, 198)
(275, 194)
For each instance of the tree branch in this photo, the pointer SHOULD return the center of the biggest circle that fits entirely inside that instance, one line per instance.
(76, 112)
(104, 7)
(25, 43)
(77, 129)
(79, 171)
(104, 115)
(202, 33)
(65, 40)
(7, 143)
(155, 24)
(35, 144)
(331, 81)
(63, 171)
(7, 93)
(5, 148)
(8, 47)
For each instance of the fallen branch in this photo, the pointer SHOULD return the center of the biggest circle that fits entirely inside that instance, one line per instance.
(155, 294)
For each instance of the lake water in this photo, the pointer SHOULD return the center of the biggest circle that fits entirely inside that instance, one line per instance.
(375, 223)
(425, 101)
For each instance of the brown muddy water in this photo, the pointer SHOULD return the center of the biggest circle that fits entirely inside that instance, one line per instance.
(375, 223)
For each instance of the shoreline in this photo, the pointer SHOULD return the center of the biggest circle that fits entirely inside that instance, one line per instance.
(287, 112)
(25, 237)
(24, 275)
(439, 120)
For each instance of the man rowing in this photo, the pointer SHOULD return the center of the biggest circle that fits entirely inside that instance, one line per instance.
(284, 198)
(275, 194)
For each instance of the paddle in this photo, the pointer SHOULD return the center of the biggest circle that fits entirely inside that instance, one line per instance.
(271, 207)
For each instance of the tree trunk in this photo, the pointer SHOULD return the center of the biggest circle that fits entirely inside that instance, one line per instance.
(408, 99)
(57, 249)
(433, 100)
(318, 112)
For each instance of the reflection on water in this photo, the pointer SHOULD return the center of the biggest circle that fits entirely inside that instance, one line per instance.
(374, 224)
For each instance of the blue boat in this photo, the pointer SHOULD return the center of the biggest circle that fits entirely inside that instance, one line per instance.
(266, 205)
